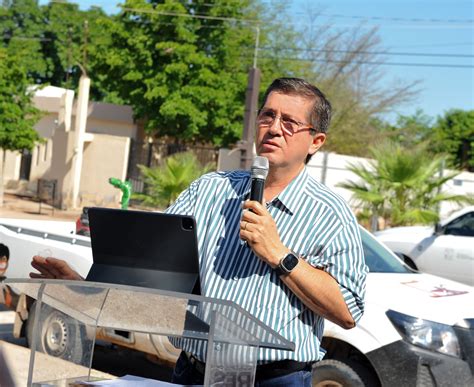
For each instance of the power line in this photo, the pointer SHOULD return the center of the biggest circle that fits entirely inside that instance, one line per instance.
(370, 52)
(437, 45)
(268, 48)
(188, 15)
(257, 21)
(399, 19)
(370, 62)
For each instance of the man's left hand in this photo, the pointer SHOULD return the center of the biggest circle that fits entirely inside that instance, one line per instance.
(259, 230)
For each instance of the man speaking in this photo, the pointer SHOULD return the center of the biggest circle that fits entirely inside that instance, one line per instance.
(291, 260)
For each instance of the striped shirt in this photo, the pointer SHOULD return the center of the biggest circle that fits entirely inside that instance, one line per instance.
(312, 221)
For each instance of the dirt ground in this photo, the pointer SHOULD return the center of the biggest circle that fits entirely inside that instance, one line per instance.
(26, 208)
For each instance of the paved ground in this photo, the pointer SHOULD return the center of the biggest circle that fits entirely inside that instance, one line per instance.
(26, 208)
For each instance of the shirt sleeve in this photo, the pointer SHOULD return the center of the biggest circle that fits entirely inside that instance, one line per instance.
(344, 260)
(185, 204)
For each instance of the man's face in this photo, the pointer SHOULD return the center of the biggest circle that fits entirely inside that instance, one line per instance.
(3, 265)
(283, 148)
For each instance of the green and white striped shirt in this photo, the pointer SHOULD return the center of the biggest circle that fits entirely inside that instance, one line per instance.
(312, 221)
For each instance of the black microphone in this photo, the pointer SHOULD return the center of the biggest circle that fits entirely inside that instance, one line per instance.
(258, 173)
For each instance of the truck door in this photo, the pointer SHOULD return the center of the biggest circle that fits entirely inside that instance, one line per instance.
(453, 250)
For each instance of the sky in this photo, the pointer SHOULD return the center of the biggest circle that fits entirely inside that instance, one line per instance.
(435, 36)
(441, 27)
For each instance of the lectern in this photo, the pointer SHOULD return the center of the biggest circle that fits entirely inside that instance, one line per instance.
(230, 336)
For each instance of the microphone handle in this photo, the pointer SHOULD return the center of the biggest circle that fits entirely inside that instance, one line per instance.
(256, 191)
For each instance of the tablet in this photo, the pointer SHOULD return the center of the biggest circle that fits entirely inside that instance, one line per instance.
(142, 248)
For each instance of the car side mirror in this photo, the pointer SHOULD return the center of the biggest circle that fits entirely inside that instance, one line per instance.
(438, 229)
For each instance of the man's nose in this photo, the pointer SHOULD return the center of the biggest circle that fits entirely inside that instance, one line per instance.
(275, 127)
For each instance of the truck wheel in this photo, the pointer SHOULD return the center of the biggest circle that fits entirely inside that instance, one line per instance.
(335, 373)
(59, 334)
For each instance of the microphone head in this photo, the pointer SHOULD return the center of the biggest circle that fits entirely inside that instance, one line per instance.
(259, 169)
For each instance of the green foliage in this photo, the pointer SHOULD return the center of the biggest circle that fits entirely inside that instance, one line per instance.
(409, 130)
(166, 182)
(51, 41)
(17, 113)
(403, 186)
(186, 77)
(454, 134)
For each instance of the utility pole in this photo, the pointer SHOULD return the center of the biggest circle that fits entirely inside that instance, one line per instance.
(82, 108)
(251, 106)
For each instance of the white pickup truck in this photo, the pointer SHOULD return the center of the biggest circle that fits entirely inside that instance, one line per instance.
(417, 330)
(446, 250)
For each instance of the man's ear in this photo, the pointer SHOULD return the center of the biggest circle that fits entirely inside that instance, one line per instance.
(318, 142)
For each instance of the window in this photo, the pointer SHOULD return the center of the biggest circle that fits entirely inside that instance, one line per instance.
(462, 226)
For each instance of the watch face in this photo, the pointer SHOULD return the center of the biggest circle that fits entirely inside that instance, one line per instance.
(289, 262)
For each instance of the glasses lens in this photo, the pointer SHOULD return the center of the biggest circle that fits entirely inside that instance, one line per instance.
(289, 125)
(265, 118)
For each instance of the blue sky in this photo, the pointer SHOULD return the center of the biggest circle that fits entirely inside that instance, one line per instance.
(406, 26)
(421, 27)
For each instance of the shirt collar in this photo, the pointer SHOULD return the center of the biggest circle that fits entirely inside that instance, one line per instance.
(290, 196)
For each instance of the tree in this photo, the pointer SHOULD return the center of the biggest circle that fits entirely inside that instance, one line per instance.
(409, 130)
(346, 65)
(454, 134)
(186, 77)
(401, 186)
(17, 113)
(51, 41)
(166, 182)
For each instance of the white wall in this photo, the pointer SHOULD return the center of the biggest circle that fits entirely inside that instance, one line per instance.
(336, 172)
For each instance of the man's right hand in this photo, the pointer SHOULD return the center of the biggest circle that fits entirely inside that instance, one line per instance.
(53, 268)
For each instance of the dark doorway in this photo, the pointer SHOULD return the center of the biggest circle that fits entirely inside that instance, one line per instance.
(25, 165)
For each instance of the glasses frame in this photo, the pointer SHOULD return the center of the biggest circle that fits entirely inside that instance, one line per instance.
(290, 132)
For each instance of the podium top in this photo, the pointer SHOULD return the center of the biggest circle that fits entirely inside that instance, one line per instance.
(152, 311)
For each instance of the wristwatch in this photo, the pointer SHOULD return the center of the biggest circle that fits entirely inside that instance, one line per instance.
(287, 264)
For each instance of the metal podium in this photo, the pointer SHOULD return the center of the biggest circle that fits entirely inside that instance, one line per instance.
(229, 335)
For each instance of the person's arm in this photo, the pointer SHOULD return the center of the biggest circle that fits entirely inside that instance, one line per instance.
(53, 268)
(316, 288)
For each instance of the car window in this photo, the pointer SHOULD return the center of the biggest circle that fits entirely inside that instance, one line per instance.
(378, 258)
(462, 226)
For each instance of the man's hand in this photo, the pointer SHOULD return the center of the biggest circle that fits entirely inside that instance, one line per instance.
(258, 228)
(53, 268)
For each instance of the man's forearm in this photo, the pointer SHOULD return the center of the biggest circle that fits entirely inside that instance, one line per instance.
(320, 292)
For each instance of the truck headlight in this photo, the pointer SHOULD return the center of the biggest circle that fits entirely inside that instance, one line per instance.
(426, 334)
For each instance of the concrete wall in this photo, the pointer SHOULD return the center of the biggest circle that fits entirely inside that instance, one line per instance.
(104, 157)
(331, 169)
(12, 165)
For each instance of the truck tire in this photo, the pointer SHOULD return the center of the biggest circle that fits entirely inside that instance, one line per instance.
(335, 373)
(60, 335)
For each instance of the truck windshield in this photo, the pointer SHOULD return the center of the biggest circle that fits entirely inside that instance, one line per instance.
(379, 258)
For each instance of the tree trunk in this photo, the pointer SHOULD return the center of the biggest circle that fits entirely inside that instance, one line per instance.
(4, 158)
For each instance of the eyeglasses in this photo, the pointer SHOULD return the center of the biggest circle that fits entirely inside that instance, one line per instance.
(266, 118)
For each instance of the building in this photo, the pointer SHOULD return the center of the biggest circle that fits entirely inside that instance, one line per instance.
(82, 149)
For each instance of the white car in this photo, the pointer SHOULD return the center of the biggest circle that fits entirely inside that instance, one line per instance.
(446, 250)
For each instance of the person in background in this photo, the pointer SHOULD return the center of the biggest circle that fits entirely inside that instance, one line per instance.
(4, 258)
(7, 296)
